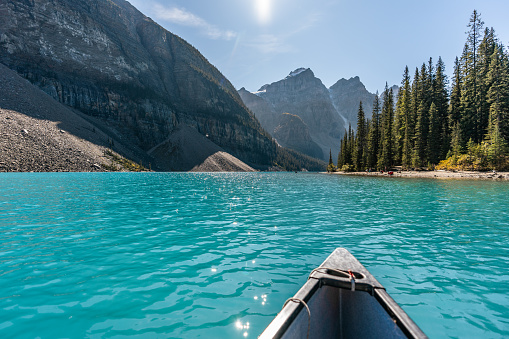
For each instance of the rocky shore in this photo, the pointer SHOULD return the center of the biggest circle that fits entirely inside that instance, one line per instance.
(434, 174)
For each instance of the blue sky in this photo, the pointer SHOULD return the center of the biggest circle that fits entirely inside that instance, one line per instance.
(254, 42)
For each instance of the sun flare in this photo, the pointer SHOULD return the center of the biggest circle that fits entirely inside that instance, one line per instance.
(263, 9)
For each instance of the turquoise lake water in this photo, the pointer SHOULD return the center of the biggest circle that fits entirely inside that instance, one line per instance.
(182, 255)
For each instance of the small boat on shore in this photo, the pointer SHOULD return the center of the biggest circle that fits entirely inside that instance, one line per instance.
(341, 299)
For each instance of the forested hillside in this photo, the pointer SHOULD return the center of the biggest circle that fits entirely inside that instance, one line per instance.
(434, 126)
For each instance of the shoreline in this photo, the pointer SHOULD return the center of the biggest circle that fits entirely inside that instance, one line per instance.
(441, 174)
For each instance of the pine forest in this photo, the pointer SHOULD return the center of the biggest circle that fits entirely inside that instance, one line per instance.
(430, 125)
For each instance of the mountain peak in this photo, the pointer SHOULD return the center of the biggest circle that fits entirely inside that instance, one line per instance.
(298, 71)
(353, 81)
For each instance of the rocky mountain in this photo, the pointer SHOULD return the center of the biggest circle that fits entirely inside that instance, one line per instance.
(293, 133)
(263, 111)
(325, 112)
(303, 95)
(346, 95)
(109, 61)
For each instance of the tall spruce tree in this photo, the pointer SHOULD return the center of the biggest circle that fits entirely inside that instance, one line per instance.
(342, 150)
(430, 84)
(421, 103)
(486, 50)
(387, 147)
(348, 147)
(456, 142)
(330, 167)
(433, 145)
(471, 95)
(404, 122)
(441, 100)
(360, 141)
(497, 81)
(374, 135)
(398, 127)
(455, 101)
(420, 138)
(425, 97)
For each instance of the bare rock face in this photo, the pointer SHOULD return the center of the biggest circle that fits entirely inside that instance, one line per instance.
(264, 112)
(304, 95)
(346, 96)
(106, 59)
(293, 133)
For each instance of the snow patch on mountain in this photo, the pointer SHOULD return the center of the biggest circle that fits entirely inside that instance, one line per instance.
(296, 72)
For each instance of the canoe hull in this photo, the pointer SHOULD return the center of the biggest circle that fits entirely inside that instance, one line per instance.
(337, 311)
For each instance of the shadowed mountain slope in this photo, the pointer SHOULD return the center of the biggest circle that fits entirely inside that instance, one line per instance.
(109, 61)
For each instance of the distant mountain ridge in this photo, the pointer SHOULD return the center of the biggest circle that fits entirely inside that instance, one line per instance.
(326, 113)
(346, 95)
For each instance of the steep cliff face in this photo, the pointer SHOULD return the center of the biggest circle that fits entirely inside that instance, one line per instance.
(346, 95)
(293, 133)
(304, 95)
(40, 134)
(106, 59)
(264, 112)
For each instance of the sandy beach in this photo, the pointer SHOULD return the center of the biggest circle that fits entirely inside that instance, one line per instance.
(435, 174)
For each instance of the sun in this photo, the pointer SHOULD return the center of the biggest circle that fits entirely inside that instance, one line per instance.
(263, 9)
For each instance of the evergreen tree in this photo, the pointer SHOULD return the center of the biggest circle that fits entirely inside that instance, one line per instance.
(406, 160)
(331, 167)
(497, 147)
(429, 92)
(425, 98)
(497, 81)
(345, 155)
(387, 148)
(470, 94)
(456, 142)
(434, 148)
(420, 140)
(342, 150)
(486, 50)
(399, 125)
(360, 141)
(416, 101)
(404, 123)
(416, 90)
(374, 135)
(455, 101)
(350, 145)
(441, 100)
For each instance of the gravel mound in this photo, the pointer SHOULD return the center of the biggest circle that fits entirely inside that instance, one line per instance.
(188, 150)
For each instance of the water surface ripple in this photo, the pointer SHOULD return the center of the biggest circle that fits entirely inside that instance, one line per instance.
(173, 255)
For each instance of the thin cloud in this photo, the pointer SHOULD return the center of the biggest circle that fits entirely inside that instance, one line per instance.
(269, 44)
(182, 17)
(277, 44)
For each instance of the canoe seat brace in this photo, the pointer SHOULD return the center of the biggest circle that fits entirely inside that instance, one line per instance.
(345, 279)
